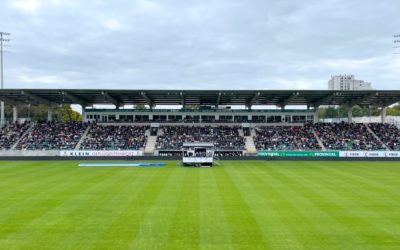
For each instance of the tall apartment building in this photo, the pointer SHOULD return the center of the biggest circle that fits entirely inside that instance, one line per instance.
(347, 82)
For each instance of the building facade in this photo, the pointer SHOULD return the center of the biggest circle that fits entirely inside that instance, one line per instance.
(347, 82)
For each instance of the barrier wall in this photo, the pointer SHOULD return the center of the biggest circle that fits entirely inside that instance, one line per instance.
(334, 154)
(100, 153)
(29, 153)
(298, 153)
(368, 154)
(69, 153)
(138, 155)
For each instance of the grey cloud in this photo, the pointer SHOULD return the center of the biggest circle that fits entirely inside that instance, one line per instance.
(200, 44)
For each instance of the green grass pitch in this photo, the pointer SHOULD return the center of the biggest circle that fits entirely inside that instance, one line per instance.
(237, 205)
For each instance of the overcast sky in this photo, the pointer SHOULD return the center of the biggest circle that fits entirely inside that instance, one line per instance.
(204, 44)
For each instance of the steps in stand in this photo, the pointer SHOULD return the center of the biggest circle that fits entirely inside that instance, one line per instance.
(78, 145)
(23, 136)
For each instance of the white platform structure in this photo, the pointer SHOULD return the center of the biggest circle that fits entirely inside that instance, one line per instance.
(198, 154)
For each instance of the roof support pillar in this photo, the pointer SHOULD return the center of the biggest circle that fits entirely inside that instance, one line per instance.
(218, 100)
(15, 113)
(252, 100)
(383, 115)
(183, 102)
(350, 115)
(83, 113)
(148, 100)
(2, 121)
(49, 114)
(316, 118)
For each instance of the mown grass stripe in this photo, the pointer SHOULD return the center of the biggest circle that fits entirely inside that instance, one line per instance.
(244, 228)
(184, 229)
(263, 198)
(155, 226)
(215, 232)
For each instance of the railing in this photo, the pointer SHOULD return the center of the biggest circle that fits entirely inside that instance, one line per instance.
(200, 110)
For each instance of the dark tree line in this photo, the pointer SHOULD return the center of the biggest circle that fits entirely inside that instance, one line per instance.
(342, 111)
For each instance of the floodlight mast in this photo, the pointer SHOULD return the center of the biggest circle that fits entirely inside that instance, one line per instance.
(396, 42)
(2, 41)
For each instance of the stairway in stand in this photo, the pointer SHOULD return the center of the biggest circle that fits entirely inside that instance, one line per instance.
(23, 136)
(322, 146)
(249, 143)
(150, 145)
(78, 145)
(375, 136)
(250, 146)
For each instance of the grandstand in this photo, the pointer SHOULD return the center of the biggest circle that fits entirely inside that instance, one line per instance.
(233, 131)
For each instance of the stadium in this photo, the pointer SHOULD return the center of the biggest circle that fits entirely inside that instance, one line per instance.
(149, 124)
(121, 178)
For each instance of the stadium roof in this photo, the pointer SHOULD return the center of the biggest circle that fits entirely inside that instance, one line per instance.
(87, 97)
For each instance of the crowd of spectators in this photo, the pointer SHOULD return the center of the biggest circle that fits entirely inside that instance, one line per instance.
(114, 137)
(11, 133)
(223, 137)
(388, 133)
(347, 136)
(226, 139)
(53, 136)
(285, 138)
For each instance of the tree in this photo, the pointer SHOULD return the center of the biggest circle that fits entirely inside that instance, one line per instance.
(67, 113)
(33, 112)
(357, 111)
(139, 106)
(343, 111)
(192, 107)
(395, 110)
(330, 113)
